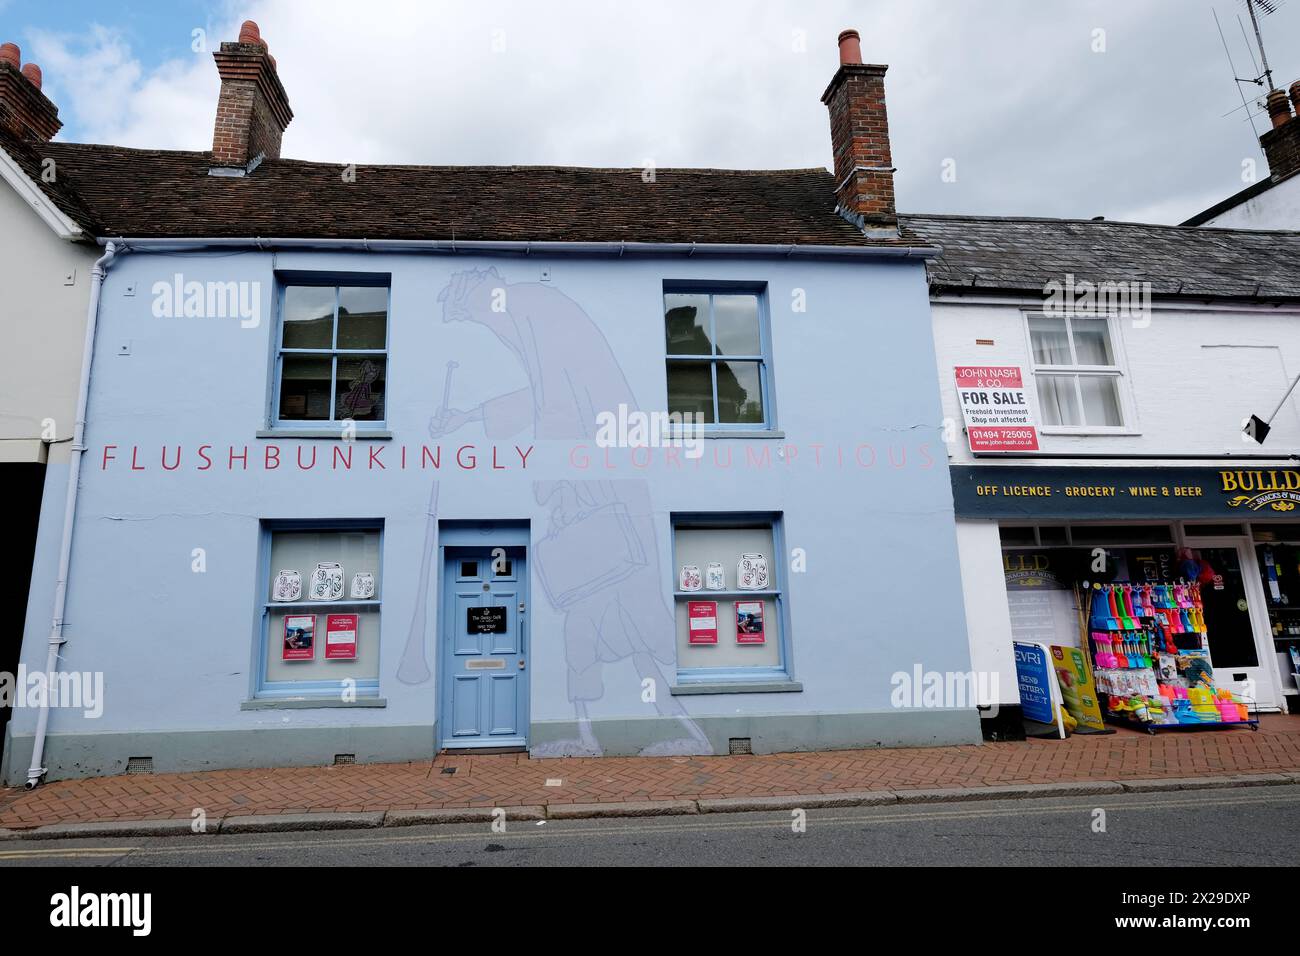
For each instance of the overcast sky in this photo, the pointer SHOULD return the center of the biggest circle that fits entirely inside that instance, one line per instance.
(1040, 112)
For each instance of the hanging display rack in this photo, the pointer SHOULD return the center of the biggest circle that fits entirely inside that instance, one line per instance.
(1151, 659)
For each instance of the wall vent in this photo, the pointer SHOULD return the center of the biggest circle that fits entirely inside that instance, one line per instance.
(344, 759)
(739, 745)
(139, 765)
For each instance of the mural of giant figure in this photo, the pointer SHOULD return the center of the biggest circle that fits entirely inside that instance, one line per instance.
(598, 563)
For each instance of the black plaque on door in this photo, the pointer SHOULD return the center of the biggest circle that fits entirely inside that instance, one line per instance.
(485, 620)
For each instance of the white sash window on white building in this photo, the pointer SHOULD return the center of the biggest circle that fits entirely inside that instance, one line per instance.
(1076, 372)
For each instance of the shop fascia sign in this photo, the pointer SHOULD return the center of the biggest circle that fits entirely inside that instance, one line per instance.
(1258, 489)
(1046, 491)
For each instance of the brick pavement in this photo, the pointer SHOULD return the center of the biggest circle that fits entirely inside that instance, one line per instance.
(516, 780)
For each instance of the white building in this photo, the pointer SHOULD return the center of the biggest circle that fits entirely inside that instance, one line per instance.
(1137, 412)
(47, 252)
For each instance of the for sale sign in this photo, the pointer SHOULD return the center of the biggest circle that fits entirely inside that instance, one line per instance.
(995, 407)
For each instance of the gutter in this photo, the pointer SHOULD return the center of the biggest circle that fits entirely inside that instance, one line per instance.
(472, 247)
(972, 291)
(36, 772)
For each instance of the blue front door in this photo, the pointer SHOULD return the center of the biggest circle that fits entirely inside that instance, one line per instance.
(484, 644)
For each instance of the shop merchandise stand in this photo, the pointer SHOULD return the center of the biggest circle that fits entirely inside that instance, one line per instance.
(1151, 660)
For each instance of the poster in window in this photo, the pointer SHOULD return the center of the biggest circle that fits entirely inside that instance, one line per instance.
(703, 619)
(299, 637)
(749, 622)
(341, 637)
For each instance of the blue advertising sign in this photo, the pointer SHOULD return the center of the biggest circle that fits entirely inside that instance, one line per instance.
(1035, 677)
(1137, 491)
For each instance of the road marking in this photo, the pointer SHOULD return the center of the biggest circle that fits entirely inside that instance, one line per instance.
(56, 854)
(909, 814)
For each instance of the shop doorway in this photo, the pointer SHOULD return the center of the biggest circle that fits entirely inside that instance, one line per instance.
(483, 686)
(1231, 605)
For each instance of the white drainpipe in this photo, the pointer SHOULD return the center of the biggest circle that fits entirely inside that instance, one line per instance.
(36, 772)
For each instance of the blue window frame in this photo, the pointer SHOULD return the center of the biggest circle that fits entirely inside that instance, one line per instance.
(331, 356)
(723, 538)
(298, 545)
(718, 352)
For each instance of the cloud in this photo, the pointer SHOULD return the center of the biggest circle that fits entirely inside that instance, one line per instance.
(1035, 119)
(101, 87)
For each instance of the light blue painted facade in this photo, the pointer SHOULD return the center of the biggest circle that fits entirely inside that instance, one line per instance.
(854, 374)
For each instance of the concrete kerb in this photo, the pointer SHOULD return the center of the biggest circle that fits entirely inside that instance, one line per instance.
(419, 818)
(287, 822)
(291, 822)
(103, 829)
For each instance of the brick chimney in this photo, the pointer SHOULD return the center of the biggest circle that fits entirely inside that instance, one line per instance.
(253, 109)
(25, 112)
(864, 169)
(1282, 142)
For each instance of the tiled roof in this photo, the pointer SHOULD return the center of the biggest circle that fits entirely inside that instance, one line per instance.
(987, 254)
(156, 193)
(115, 191)
(58, 189)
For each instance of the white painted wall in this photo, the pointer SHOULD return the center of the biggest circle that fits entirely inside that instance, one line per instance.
(1275, 208)
(1192, 375)
(42, 328)
(988, 617)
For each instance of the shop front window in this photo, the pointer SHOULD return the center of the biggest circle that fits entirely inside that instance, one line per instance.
(717, 358)
(1048, 570)
(321, 595)
(332, 360)
(1076, 372)
(1167, 629)
(729, 598)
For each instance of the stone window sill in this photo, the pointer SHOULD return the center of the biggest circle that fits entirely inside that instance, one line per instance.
(736, 687)
(361, 434)
(309, 703)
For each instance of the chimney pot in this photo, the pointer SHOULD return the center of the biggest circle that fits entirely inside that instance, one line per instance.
(1281, 143)
(249, 32)
(850, 47)
(25, 112)
(1279, 110)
